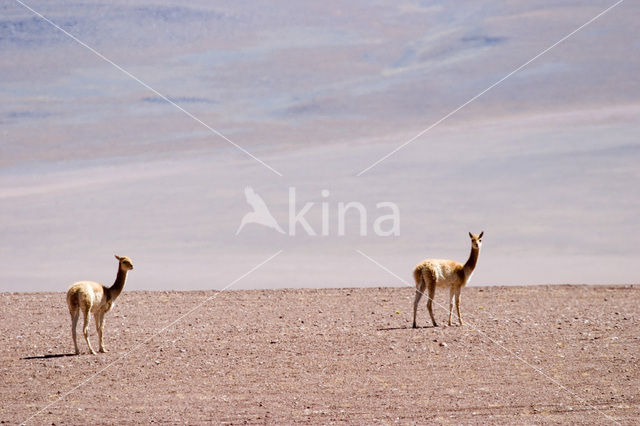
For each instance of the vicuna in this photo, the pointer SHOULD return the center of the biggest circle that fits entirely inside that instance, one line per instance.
(432, 273)
(94, 298)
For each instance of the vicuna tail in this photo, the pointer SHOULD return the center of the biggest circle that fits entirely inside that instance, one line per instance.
(72, 301)
(417, 276)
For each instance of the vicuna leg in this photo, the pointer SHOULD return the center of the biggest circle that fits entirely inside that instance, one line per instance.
(432, 291)
(99, 317)
(451, 293)
(416, 299)
(458, 306)
(85, 328)
(75, 314)
(101, 332)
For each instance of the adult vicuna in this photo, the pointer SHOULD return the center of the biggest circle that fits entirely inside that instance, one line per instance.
(432, 273)
(94, 298)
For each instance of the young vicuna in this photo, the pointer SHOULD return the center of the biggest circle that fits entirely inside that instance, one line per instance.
(433, 273)
(90, 297)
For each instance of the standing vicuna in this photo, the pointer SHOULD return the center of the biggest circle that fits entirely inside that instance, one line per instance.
(432, 273)
(90, 297)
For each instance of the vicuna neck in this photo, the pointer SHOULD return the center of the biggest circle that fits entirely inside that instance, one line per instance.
(118, 284)
(471, 262)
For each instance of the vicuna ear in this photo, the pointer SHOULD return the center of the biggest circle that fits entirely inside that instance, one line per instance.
(470, 235)
(482, 233)
(117, 257)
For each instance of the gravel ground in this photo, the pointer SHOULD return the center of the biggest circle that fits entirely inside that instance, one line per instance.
(534, 355)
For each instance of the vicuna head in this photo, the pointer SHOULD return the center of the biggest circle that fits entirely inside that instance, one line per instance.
(125, 262)
(476, 240)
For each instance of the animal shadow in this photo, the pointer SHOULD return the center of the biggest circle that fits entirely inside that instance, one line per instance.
(406, 327)
(48, 356)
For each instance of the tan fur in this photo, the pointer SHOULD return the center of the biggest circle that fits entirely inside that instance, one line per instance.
(433, 273)
(90, 297)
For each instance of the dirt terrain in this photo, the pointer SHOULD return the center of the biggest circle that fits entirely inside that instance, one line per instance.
(533, 355)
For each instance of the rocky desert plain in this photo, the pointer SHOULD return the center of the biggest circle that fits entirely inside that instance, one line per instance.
(526, 355)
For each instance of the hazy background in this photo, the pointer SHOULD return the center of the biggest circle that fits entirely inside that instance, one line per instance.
(92, 163)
